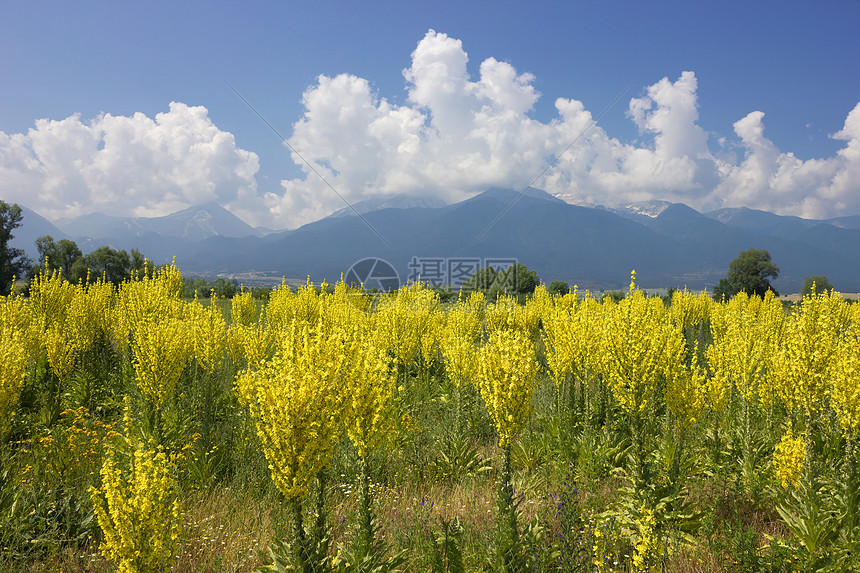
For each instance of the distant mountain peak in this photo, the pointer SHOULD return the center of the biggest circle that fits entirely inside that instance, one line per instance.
(195, 223)
(652, 209)
(509, 195)
(640, 211)
(401, 201)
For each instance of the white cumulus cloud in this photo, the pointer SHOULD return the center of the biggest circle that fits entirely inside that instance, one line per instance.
(770, 179)
(123, 166)
(454, 135)
(457, 135)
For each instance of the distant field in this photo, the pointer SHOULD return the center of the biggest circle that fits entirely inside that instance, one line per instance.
(796, 297)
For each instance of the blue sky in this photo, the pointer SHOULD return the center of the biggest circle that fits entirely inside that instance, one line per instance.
(730, 104)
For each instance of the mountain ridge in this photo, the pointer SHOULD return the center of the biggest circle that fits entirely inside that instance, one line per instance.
(669, 244)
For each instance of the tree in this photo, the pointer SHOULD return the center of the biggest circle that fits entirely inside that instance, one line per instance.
(60, 256)
(13, 262)
(223, 288)
(114, 265)
(558, 287)
(819, 281)
(516, 279)
(749, 272)
(482, 280)
(140, 264)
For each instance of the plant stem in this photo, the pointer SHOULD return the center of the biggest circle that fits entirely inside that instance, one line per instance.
(509, 536)
(300, 542)
(365, 516)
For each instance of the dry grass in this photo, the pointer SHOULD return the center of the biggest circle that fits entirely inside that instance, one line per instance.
(227, 530)
(797, 297)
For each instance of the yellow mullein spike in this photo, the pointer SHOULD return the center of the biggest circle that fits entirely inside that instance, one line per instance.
(50, 296)
(371, 406)
(138, 510)
(458, 340)
(686, 389)
(788, 458)
(507, 367)
(808, 347)
(297, 401)
(61, 353)
(640, 347)
(208, 333)
(243, 309)
(161, 350)
(13, 370)
(280, 309)
(844, 379)
(747, 332)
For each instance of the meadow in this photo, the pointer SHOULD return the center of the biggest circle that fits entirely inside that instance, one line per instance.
(326, 429)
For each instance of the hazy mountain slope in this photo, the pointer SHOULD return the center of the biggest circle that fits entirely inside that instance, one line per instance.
(593, 248)
(32, 227)
(798, 253)
(596, 248)
(194, 223)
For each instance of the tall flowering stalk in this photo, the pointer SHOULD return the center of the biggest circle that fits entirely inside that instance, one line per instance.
(640, 347)
(809, 347)
(806, 356)
(161, 350)
(243, 309)
(845, 381)
(641, 350)
(371, 401)
(571, 335)
(297, 405)
(13, 370)
(506, 378)
(747, 332)
(138, 509)
(458, 342)
(208, 333)
(89, 313)
(370, 415)
(507, 368)
(297, 401)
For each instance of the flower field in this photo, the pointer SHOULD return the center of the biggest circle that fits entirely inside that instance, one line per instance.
(326, 429)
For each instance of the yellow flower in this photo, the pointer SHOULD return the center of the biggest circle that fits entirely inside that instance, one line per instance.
(640, 347)
(507, 367)
(89, 313)
(371, 405)
(208, 332)
(845, 380)
(808, 349)
(747, 331)
(50, 296)
(13, 369)
(138, 510)
(689, 311)
(788, 458)
(571, 336)
(687, 390)
(61, 352)
(297, 399)
(458, 340)
(243, 309)
(647, 549)
(161, 350)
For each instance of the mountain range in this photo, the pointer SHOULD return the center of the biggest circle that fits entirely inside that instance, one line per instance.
(668, 244)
